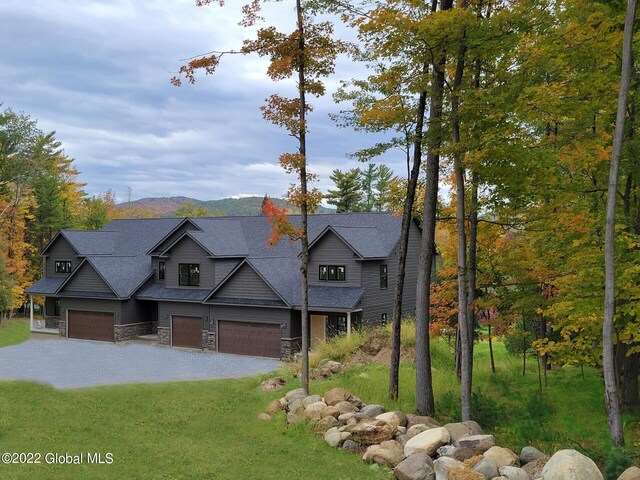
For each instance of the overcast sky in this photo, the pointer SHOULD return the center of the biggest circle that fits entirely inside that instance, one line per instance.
(97, 72)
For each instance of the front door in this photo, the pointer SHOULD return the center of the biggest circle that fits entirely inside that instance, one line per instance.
(318, 329)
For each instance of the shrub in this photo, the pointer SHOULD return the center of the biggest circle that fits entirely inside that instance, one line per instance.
(617, 461)
(338, 348)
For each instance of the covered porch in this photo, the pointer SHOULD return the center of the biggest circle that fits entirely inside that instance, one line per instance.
(49, 323)
(326, 324)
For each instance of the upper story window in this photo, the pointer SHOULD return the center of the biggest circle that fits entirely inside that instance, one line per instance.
(160, 270)
(189, 274)
(383, 277)
(333, 273)
(63, 266)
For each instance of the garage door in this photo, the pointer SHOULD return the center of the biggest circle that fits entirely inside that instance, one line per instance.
(90, 325)
(259, 339)
(186, 331)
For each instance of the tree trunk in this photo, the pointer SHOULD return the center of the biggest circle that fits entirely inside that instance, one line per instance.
(493, 363)
(524, 346)
(629, 368)
(304, 237)
(425, 403)
(404, 243)
(611, 391)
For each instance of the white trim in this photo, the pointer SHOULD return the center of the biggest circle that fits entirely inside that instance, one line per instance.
(31, 312)
(348, 324)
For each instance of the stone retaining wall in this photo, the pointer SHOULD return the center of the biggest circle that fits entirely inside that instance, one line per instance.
(51, 322)
(289, 346)
(62, 327)
(131, 331)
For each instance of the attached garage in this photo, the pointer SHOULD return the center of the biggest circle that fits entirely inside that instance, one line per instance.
(89, 325)
(186, 331)
(245, 338)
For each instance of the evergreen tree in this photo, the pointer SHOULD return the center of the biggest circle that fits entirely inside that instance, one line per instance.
(347, 197)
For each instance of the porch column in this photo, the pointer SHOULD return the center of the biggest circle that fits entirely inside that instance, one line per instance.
(31, 312)
(348, 324)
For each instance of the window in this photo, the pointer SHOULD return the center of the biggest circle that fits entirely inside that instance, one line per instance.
(383, 277)
(342, 324)
(56, 307)
(333, 273)
(384, 319)
(63, 266)
(161, 271)
(189, 274)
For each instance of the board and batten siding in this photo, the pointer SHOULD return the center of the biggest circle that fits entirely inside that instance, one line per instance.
(331, 250)
(188, 251)
(86, 279)
(246, 283)
(280, 316)
(61, 250)
(167, 309)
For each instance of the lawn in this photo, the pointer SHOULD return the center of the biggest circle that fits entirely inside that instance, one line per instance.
(209, 429)
(13, 331)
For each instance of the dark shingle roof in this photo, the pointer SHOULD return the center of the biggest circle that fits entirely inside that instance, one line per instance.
(333, 297)
(124, 274)
(45, 286)
(158, 291)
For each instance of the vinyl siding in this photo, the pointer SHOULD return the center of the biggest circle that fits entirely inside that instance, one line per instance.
(86, 279)
(167, 309)
(60, 250)
(92, 305)
(49, 306)
(253, 314)
(246, 283)
(188, 251)
(330, 250)
(134, 311)
(223, 267)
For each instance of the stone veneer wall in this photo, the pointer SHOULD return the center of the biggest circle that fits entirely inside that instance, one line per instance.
(62, 327)
(164, 336)
(51, 322)
(131, 331)
(289, 346)
(209, 340)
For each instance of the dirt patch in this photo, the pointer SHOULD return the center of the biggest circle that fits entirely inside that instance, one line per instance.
(377, 349)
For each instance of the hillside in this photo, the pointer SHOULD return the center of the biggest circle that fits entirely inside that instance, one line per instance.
(166, 206)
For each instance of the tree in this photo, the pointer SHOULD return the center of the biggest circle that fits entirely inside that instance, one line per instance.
(347, 197)
(189, 209)
(95, 213)
(306, 55)
(382, 188)
(368, 180)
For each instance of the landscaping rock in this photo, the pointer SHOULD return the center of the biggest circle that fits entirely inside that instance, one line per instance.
(272, 384)
(296, 406)
(333, 367)
(350, 446)
(570, 465)
(632, 473)
(336, 395)
(462, 430)
(335, 438)
(371, 411)
(324, 424)
(388, 454)
(394, 418)
(487, 467)
(353, 400)
(416, 429)
(462, 453)
(421, 419)
(294, 418)
(503, 457)
(314, 410)
(427, 442)
(371, 432)
(446, 451)
(446, 468)
(311, 399)
(346, 407)
(264, 416)
(331, 411)
(274, 407)
(534, 469)
(402, 439)
(418, 466)
(529, 454)
(345, 417)
(402, 430)
(480, 443)
(513, 473)
(295, 394)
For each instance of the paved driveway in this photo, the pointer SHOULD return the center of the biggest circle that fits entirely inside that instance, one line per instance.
(68, 363)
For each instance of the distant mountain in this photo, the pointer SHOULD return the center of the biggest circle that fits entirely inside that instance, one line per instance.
(166, 206)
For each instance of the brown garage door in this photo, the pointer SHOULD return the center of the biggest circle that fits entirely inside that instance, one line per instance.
(259, 339)
(90, 325)
(186, 331)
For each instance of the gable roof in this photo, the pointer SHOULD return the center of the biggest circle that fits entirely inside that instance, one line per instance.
(365, 242)
(179, 222)
(86, 264)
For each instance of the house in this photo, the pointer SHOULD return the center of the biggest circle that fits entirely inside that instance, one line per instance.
(214, 283)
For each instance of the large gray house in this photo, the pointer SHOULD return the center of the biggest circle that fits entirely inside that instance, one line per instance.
(214, 283)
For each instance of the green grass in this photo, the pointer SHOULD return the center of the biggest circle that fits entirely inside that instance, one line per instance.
(13, 331)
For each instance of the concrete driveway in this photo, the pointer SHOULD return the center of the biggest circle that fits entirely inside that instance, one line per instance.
(68, 363)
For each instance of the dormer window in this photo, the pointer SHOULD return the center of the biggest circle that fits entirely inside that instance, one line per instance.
(333, 273)
(63, 266)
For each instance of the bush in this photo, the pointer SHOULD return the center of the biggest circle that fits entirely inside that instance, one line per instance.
(338, 348)
(617, 461)
(530, 425)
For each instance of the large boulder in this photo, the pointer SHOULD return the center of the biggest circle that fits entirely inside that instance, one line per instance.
(314, 410)
(447, 468)
(421, 419)
(335, 438)
(306, 401)
(427, 442)
(414, 430)
(331, 410)
(632, 473)
(295, 418)
(570, 465)
(346, 407)
(323, 424)
(388, 454)
(296, 406)
(503, 457)
(371, 411)
(336, 395)
(463, 429)
(371, 432)
(487, 468)
(529, 454)
(462, 453)
(292, 395)
(481, 443)
(395, 418)
(513, 473)
(274, 407)
(418, 466)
